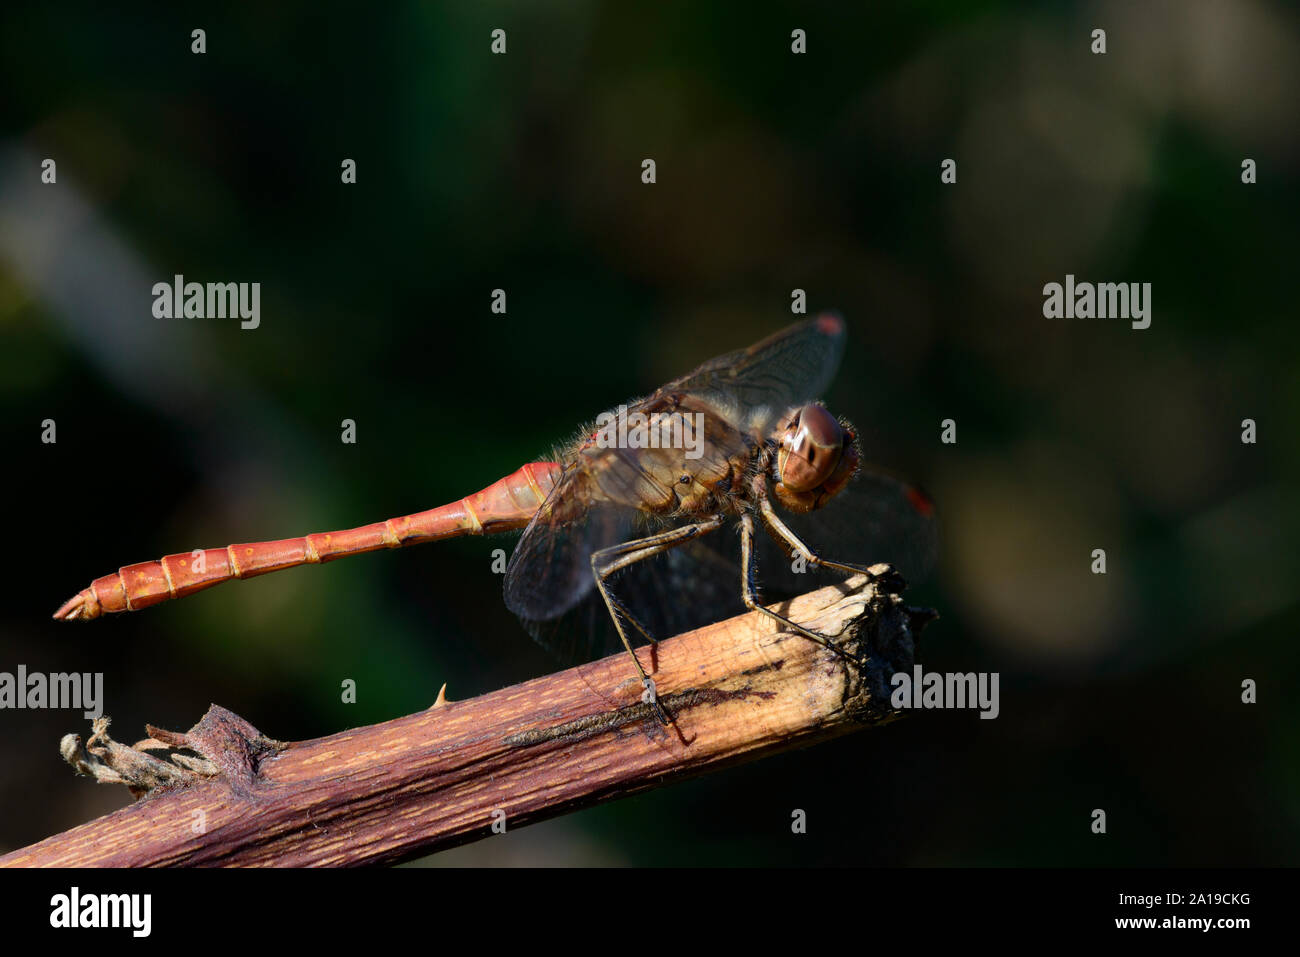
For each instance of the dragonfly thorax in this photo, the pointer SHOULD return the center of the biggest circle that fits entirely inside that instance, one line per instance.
(816, 456)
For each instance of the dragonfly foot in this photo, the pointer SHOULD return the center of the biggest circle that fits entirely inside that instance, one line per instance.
(650, 696)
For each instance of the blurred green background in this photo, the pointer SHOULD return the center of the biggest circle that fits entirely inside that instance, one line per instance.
(775, 172)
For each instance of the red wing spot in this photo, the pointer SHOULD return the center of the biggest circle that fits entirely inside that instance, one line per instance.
(919, 501)
(830, 324)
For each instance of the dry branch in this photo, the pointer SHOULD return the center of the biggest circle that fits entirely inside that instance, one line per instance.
(736, 690)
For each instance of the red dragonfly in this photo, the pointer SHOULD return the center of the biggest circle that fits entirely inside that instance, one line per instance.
(634, 499)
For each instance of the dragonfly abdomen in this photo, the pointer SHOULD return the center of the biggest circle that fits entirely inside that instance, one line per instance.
(504, 505)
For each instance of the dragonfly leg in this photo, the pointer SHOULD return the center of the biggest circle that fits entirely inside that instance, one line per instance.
(607, 561)
(623, 610)
(788, 539)
(749, 591)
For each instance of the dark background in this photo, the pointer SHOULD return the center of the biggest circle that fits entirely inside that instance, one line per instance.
(775, 172)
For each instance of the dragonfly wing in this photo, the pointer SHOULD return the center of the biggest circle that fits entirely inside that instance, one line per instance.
(668, 594)
(550, 569)
(787, 369)
(549, 583)
(671, 592)
(878, 518)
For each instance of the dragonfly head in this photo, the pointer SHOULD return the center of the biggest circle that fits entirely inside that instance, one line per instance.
(816, 456)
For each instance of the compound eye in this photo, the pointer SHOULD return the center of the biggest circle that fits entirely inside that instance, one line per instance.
(810, 448)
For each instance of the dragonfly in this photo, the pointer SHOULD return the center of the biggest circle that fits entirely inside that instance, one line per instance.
(621, 526)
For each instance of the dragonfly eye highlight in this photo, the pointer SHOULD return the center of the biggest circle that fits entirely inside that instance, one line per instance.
(810, 449)
(816, 457)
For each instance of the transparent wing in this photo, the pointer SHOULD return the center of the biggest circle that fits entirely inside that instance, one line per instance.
(550, 587)
(550, 570)
(878, 518)
(677, 590)
(787, 369)
(549, 583)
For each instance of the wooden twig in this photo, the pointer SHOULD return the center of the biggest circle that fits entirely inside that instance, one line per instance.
(385, 793)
